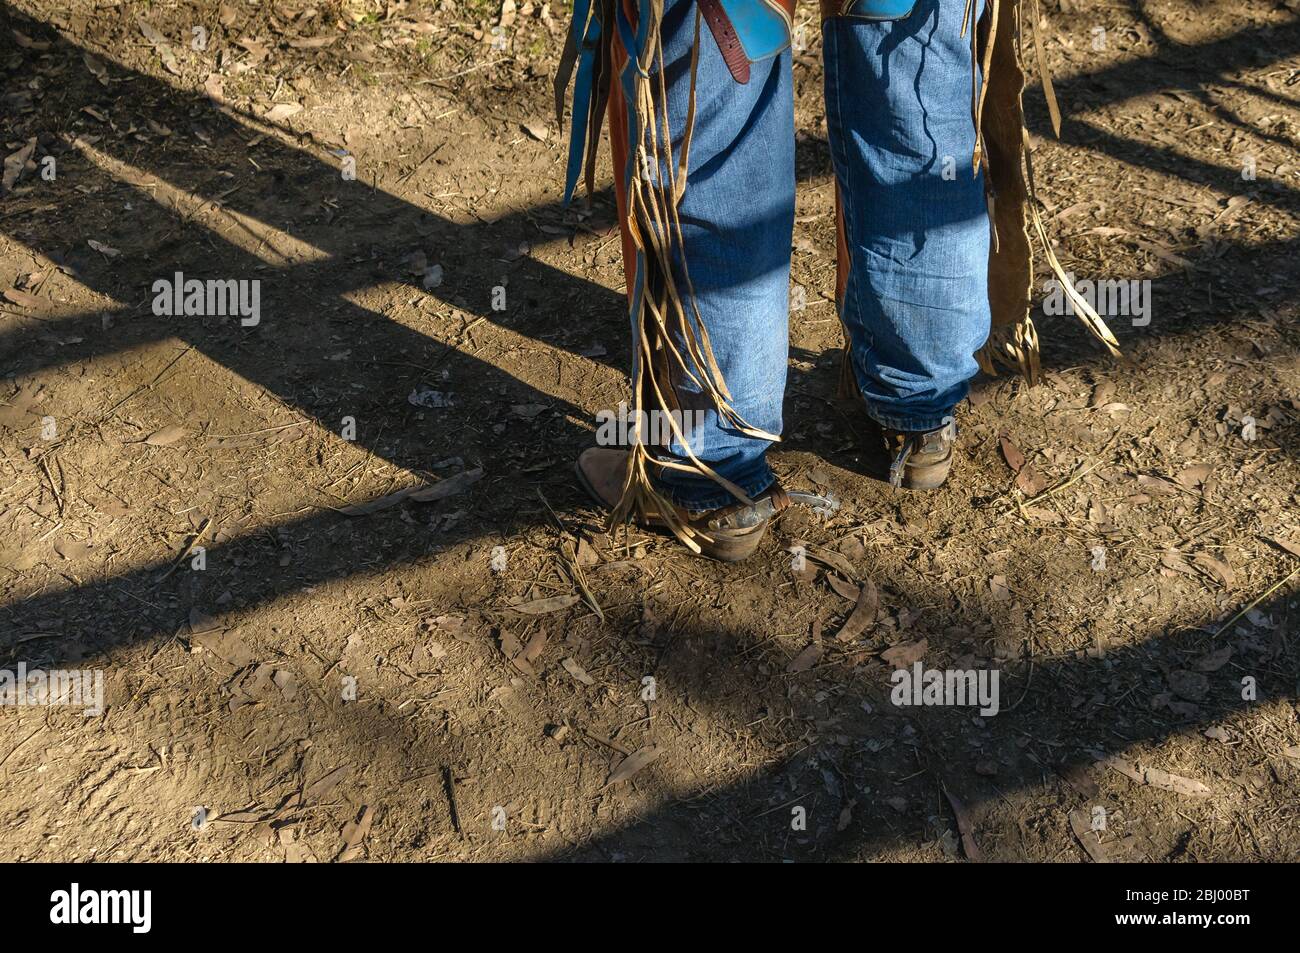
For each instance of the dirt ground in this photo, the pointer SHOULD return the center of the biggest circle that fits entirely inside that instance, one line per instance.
(356, 673)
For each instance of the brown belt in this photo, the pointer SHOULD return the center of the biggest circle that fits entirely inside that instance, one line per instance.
(733, 54)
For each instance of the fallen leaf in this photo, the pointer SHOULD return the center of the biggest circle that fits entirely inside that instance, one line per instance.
(27, 43)
(313, 42)
(1159, 779)
(423, 493)
(577, 671)
(354, 832)
(863, 615)
(1213, 661)
(806, 659)
(543, 606)
(999, 589)
(633, 763)
(964, 826)
(161, 45)
(1089, 839)
(905, 653)
(15, 162)
(22, 299)
(213, 87)
(843, 587)
(103, 249)
(1215, 569)
(1193, 476)
(281, 111)
(537, 130)
(166, 436)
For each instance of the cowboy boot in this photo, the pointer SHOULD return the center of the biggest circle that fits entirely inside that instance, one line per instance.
(728, 533)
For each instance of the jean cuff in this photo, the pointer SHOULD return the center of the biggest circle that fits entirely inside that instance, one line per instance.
(910, 423)
(714, 496)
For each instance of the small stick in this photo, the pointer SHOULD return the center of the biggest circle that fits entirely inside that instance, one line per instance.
(449, 783)
(1256, 601)
(202, 531)
(53, 486)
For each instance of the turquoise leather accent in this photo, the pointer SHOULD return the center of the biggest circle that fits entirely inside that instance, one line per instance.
(762, 30)
(587, 44)
(881, 9)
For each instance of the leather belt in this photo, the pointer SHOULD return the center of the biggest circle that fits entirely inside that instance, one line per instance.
(724, 34)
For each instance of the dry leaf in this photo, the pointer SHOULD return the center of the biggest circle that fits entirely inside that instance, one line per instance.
(1089, 839)
(1215, 569)
(577, 671)
(423, 493)
(633, 763)
(806, 659)
(543, 606)
(999, 589)
(160, 44)
(843, 587)
(905, 653)
(103, 249)
(313, 42)
(166, 436)
(354, 832)
(213, 87)
(281, 111)
(22, 298)
(1193, 476)
(964, 827)
(1011, 453)
(1213, 661)
(863, 615)
(15, 162)
(1158, 779)
(27, 43)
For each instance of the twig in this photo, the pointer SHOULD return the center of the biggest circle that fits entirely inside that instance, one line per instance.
(1256, 601)
(202, 531)
(449, 784)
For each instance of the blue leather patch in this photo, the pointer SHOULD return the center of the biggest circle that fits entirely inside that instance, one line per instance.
(881, 9)
(762, 30)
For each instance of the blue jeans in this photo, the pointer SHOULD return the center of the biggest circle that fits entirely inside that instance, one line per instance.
(915, 305)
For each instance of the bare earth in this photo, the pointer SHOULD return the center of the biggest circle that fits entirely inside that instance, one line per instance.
(480, 730)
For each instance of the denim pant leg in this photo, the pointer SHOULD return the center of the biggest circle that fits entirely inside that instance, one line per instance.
(916, 306)
(737, 216)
